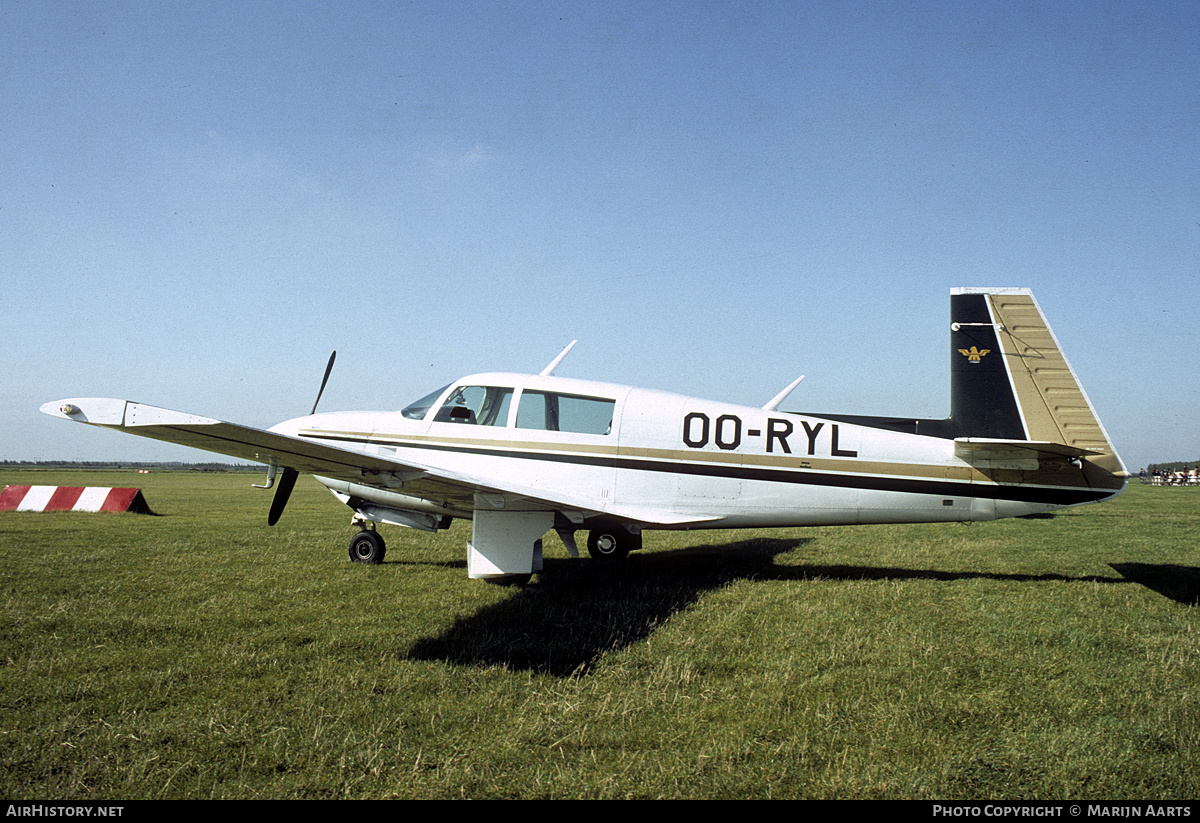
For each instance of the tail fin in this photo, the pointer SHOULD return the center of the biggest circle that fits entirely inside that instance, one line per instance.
(1009, 380)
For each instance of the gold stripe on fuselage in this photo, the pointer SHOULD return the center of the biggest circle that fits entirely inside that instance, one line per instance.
(531, 449)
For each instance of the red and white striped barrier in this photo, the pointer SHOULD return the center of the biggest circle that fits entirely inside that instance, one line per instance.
(72, 499)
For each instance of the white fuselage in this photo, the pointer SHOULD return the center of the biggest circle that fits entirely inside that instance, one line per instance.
(670, 461)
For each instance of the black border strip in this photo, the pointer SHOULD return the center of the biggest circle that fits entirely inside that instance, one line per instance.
(950, 488)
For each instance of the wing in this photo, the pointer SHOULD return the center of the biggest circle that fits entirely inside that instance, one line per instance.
(211, 435)
(458, 490)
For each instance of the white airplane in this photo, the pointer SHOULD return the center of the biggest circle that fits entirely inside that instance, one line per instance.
(520, 454)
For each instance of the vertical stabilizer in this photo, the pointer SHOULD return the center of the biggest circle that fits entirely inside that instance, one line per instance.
(1010, 380)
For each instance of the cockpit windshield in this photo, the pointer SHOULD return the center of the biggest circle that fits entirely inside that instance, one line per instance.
(418, 410)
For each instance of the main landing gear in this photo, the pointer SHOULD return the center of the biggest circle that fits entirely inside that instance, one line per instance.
(367, 547)
(606, 544)
(612, 543)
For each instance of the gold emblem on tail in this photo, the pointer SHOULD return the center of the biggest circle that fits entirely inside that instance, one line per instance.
(973, 354)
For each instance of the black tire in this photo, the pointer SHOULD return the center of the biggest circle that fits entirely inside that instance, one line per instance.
(612, 543)
(367, 547)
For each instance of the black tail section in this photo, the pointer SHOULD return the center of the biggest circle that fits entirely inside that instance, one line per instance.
(982, 401)
(1012, 391)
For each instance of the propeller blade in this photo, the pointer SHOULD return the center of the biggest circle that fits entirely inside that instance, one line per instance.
(282, 492)
(324, 380)
(287, 480)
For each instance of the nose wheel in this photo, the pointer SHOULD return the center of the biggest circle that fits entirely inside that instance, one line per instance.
(367, 547)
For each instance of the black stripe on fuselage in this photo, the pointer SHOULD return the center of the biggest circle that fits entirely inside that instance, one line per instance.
(952, 488)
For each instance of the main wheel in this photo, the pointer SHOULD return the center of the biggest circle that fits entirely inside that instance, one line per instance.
(367, 547)
(613, 543)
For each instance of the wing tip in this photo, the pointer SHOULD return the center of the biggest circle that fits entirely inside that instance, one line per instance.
(103, 411)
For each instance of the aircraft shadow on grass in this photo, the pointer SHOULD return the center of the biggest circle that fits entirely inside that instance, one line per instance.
(1178, 583)
(579, 611)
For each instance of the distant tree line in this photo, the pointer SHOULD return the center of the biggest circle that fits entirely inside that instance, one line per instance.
(116, 464)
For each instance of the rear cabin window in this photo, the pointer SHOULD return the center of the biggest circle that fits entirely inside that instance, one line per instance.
(476, 405)
(565, 413)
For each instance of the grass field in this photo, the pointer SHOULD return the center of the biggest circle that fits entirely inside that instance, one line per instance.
(202, 654)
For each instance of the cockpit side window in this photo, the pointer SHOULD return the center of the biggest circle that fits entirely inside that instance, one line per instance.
(476, 405)
(565, 413)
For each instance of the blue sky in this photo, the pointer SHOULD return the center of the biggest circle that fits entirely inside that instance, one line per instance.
(199, 201)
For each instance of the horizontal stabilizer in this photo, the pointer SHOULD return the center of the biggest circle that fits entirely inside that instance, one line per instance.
(1021, 455)
(969, 448)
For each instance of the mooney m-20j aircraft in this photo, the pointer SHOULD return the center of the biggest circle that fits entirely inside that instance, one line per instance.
(520, 455)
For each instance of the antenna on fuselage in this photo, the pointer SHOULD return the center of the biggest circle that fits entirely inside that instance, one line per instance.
(549, 370)
(773, 405)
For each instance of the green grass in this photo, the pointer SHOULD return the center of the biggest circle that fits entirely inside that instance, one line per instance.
(202, 654)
